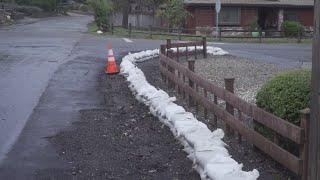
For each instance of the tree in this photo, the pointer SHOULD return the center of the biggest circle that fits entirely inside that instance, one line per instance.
(124, 7)
(174, 13)
(154, 4)
(102, 10)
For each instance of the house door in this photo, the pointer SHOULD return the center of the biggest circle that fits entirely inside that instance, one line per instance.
(267, 17)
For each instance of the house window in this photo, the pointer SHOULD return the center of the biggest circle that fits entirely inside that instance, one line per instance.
(229, 16)
(291, 16)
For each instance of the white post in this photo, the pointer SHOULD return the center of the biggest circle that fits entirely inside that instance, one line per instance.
(280, 18)
(218, 8)
(217, 25)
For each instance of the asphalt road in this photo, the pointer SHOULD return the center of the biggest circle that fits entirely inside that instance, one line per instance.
(48, 72)
(287, 55)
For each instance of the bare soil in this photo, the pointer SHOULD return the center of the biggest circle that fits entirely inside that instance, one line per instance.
(121, 141)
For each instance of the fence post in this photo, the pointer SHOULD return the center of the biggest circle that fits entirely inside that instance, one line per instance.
(219, 34)
(179, 34)
(178, 54)
(191, 83)
(168, 46)
(205, 92)
(229, 86)
(299, 34)
(130, 29)
(241, 120)
(187, 53)
(204, 41)
(260, 35)
(150, 31)
(171, 69)
(112, 27)
(163, 49)
(163, 52)
(215, 100)
(304, 147)
(168, 43)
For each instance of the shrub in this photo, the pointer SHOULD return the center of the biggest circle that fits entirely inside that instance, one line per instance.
(207, 30)
(254, 26)
(102, 10)
(29, 10)
(291, 28)
(48, 5)
(84, 8)
(284, 96)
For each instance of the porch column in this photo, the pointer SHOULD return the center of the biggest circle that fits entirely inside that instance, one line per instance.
(280, 19)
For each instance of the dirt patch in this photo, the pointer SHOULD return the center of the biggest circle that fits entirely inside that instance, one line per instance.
(241, 152)
(122, 141)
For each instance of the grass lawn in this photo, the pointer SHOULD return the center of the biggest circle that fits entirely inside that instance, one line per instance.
(122, 32)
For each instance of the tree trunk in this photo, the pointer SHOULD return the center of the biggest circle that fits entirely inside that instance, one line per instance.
(125, 16)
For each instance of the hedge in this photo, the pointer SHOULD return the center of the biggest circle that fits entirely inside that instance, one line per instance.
(284, 96)
(291, 28)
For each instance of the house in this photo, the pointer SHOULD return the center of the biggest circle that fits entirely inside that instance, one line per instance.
(239, 14)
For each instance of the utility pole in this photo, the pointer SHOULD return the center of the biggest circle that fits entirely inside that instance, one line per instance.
(314, 133)
(218, 8)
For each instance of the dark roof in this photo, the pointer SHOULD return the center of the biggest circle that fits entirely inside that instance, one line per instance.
(304, 3)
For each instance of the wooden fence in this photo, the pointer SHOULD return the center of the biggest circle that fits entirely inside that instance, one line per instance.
(222, 33)
(197, 90)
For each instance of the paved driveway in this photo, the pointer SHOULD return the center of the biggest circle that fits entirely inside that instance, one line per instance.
(29, 55)
(48, 73)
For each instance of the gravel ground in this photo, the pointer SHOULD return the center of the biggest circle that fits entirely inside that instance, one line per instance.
(122, 141)
(249, 75)
(241, 152)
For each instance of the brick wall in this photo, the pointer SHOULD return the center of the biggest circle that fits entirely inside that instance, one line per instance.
(205, 16)
(305, 16)
(248, 15)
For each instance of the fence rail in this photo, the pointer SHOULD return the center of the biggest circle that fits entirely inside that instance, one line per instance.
(197, 90)
(220, 34)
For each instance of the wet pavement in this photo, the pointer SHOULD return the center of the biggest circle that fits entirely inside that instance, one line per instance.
(30, 55)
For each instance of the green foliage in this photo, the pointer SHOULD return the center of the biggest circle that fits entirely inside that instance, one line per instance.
(84, 8)
(291, 28)
(174, 13)
(254, 25)
(102, 10)
(207, 30)
(47, 5)
(284, 96)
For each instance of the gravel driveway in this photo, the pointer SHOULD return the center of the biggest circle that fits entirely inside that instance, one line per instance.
(249, 75)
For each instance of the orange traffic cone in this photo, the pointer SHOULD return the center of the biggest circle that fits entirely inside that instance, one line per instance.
(111, 67)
